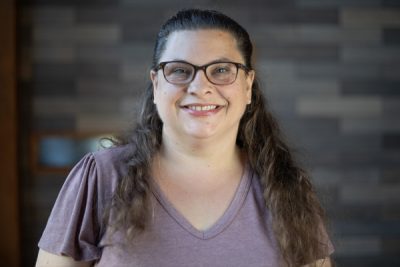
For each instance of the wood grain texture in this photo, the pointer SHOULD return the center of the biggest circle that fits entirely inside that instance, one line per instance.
(9, 225)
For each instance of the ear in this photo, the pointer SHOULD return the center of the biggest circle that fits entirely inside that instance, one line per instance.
(249, 80)
(154, 81)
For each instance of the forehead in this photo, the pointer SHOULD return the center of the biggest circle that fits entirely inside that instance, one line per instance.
(201, 46)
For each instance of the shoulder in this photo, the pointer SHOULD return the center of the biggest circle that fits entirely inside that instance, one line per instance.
(82, 203)
(108, 166)
(256, 186)
(111, 161)
(97, 173)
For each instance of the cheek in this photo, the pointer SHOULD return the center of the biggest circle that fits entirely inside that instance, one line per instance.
(164, 94)
(166, 99)
(238, 96)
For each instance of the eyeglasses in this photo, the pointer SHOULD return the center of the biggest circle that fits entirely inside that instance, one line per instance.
(218, 73)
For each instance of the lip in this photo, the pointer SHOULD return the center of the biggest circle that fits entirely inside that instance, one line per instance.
(202, 109)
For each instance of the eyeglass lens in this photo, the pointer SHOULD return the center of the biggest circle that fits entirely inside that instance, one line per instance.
(217, 73)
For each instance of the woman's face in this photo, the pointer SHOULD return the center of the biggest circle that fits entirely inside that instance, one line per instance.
(201, 109)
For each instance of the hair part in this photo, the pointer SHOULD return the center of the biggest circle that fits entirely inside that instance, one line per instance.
(287, 190)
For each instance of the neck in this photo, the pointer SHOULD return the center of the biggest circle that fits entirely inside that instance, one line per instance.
(206, 154)
(202, 164)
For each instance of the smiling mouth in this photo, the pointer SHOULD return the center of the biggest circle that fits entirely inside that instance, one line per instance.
(202, 108)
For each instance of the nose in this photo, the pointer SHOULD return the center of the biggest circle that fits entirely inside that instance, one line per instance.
(200, 84)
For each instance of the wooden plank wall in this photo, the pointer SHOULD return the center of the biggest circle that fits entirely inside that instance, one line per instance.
(9, 225)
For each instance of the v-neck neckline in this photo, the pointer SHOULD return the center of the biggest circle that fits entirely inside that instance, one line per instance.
(222, 223)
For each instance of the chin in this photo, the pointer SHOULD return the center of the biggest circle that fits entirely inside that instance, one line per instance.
(200, 133)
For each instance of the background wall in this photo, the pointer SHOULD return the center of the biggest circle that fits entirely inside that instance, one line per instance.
(9, 228)
(330, 69)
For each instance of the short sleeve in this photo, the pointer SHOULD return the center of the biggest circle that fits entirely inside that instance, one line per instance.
(73, 227)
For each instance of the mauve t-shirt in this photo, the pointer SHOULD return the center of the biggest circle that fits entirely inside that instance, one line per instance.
(241, 237)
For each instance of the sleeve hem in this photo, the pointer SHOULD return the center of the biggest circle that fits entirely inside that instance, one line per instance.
(62, 252)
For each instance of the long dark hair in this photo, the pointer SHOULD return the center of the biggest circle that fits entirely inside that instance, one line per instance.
(298, 219)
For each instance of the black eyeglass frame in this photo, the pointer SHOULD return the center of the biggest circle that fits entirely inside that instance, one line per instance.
(161, 65)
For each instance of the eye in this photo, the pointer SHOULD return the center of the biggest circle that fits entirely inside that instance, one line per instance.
(221, 70)
(179, 71)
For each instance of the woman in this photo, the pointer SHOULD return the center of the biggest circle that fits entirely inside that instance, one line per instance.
(203, 180)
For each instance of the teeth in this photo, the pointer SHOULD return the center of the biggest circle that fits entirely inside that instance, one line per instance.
(202, 108)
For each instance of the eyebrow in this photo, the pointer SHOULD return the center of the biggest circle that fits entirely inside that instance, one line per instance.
(221, 59)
